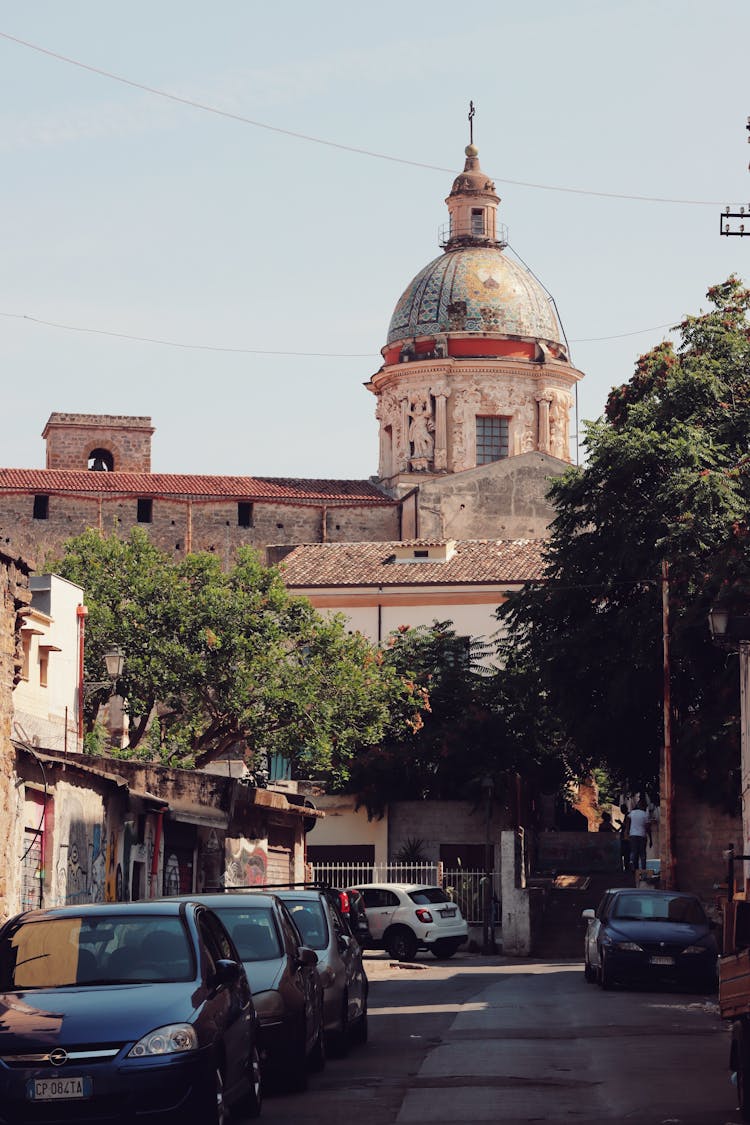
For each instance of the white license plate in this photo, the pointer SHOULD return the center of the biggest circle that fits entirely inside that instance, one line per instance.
(662, 960)
(448, 913)
(59, 1089)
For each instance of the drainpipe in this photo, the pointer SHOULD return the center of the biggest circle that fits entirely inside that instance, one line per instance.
(155, 856)
(81, 615)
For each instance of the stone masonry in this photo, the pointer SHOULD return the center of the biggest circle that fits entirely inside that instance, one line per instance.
(15, 596)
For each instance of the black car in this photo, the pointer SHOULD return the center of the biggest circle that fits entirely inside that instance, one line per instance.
(645, 934)
(114, 1011)
(284, 979)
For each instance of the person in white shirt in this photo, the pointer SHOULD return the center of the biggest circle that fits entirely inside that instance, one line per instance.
(638, 830)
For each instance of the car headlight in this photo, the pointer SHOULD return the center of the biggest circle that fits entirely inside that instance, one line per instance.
(269, 1006)
(628, 946)
(695, 949)
(174, 1039)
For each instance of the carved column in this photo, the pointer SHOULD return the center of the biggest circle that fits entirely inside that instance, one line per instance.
(543, 423)
(403, 445)
(440, 456)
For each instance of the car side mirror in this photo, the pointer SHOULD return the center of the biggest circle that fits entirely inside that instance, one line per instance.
(226, 973)
(589, 915)
(343, 943)
(307, 956)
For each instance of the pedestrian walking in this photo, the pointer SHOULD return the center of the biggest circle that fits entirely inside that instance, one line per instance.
(639, 829)
(624, 840)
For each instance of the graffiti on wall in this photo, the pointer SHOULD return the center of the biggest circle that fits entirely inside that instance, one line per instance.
(246, 863)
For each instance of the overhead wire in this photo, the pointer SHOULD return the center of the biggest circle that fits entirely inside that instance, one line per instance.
(87, 330)
(204, 107)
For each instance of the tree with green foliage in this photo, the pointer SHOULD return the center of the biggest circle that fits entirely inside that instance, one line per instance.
(480, 724)
(665, 480)
(218, 659)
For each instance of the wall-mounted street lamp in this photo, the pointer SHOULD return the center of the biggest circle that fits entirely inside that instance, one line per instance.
(114, 660)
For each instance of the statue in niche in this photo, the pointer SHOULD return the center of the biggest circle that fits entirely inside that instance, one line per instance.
(558, 425)
(421, 429)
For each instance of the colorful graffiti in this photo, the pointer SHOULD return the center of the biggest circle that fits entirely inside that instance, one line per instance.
(246, 863)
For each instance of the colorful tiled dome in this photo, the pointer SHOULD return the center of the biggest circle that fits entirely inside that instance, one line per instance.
(474, 289)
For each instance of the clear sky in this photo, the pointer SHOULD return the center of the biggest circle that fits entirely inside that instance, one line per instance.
(125, 212)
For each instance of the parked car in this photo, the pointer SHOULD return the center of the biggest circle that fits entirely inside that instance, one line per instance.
(125, 1009)
(342, 972)
(646, 934)
(406, 917)
(284, 979)
(353, 908)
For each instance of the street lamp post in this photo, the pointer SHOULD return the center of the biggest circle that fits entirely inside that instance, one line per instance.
(488, 898)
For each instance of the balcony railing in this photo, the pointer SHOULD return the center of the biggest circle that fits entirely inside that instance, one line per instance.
(472, 234)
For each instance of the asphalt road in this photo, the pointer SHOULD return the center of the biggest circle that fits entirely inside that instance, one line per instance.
(508, 1041)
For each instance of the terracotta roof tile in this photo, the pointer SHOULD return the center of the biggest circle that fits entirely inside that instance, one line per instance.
(280, 489)
(474, 561)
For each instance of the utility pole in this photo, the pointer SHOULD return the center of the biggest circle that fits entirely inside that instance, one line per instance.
(666, 822)
(733, 220)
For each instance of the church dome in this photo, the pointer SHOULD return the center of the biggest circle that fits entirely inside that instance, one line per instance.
(474, 289)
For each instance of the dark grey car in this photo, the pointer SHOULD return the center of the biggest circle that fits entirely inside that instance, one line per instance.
(284, 978)
(340, 965)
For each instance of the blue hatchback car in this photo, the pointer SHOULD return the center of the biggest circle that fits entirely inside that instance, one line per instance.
(644, 934)
(114, 1011)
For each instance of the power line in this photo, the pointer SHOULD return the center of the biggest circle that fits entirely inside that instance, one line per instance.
(179, 344)
(248, 351)
(205, 108)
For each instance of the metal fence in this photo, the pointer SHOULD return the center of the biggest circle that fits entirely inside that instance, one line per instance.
(465, 887)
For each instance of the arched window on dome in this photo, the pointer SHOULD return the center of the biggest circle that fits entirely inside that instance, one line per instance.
(492, 438)
(101, 461)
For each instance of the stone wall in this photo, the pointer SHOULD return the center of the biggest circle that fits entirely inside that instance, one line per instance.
(701, 834)
(72, 438)
(14, 596)
(503, 500)
(448, 823)
(181, 525)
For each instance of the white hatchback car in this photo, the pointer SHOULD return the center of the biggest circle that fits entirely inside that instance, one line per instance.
(405, 917)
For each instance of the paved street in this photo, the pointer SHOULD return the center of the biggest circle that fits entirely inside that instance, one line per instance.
(480, 1039)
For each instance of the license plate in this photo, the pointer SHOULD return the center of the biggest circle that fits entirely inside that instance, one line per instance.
(448, 912)
(59, 1089)
(662, 960)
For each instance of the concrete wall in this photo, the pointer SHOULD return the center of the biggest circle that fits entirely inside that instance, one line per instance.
(14, 596)
(48, 713)
(345, 825)
(503, 500)
(444, 822)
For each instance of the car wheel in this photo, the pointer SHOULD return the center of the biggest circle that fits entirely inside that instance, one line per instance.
(213, 1108)
(606, 980)
(339, 1042)
(359, 1030)
(293, 1066)
(444, 948)
(401, 943)
(317, 1059)
(252, 1103)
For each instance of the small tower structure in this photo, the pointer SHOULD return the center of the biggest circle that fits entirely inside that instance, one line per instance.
(475, 366)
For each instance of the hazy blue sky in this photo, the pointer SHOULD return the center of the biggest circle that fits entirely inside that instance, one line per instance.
(124, 212)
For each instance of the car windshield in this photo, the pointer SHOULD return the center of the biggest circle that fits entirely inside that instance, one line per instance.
(253, 930)
(81, 950)
(657, 907)
(310, 921)
(427, 895)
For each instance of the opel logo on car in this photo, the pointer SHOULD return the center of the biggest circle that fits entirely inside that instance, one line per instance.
(58, 1057)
